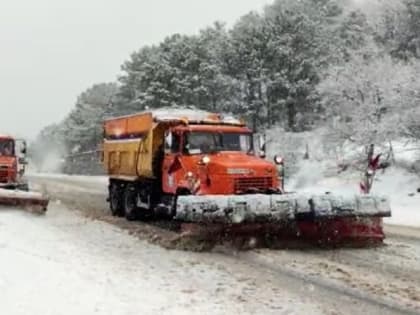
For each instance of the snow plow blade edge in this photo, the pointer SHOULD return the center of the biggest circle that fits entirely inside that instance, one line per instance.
(23, 199)
(259, 208)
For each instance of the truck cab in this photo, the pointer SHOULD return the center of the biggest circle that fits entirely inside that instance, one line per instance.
(12, 163)
(213, 159)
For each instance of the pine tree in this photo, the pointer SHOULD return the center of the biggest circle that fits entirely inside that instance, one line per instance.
(82, 129)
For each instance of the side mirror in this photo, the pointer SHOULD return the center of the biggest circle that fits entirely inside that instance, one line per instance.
(279, 161)
(20, 146)
(23, 161)
(261, 144)
(168, 142)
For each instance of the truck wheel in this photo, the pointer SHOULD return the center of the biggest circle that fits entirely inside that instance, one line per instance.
(167, 208)
(116, 200)
(23, 187)
(130, 202)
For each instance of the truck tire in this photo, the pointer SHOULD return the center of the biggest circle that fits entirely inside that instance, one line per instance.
(116, 200)
(166, 209)
(130, 202)
(23, 187)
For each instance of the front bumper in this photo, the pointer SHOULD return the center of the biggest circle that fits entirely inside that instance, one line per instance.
(9, 185)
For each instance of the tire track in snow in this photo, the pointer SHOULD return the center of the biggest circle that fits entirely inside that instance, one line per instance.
(313, 268)
(337, 290)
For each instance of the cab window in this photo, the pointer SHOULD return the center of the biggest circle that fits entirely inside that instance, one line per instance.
(7, 148)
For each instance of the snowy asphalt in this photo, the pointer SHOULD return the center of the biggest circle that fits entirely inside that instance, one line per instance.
(65, 263)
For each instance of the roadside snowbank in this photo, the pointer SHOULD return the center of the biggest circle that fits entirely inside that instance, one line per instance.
(319, 173)
(72, 178)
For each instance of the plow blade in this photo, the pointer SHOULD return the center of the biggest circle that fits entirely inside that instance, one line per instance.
(321, 219)
(237, 209)
(22, 199)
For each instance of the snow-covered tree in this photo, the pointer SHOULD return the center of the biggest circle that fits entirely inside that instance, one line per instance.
(181, 71)
(279, 58)
(399, 28)
(218, 90)
(82, 129)
(296, 65)
(370, 101)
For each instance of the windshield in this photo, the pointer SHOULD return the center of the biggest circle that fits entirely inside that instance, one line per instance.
(208, 142)
(6, 148)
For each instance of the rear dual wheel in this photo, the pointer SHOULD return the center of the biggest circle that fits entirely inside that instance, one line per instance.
(23, 187)
(124, 199)
(116, 199)
(130, 202)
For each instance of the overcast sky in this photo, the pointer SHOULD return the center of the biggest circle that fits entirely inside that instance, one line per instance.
(51, 50)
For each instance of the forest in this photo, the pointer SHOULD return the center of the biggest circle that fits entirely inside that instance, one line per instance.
(294, 67)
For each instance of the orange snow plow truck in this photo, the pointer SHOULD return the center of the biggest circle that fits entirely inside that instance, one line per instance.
(14, 189)
(200, 169)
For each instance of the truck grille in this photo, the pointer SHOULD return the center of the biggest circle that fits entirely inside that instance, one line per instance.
(249, 183)
(4, 174)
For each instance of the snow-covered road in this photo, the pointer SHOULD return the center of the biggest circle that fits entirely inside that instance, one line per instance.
(66, 263)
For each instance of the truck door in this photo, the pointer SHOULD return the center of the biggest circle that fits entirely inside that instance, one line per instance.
(171, 161)
(20, 153)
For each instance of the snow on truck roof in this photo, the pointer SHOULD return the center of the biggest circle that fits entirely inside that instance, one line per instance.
(142, 122)
(189, 114)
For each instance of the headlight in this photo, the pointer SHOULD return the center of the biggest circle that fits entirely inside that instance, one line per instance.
(205, 159)
(278, 160)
